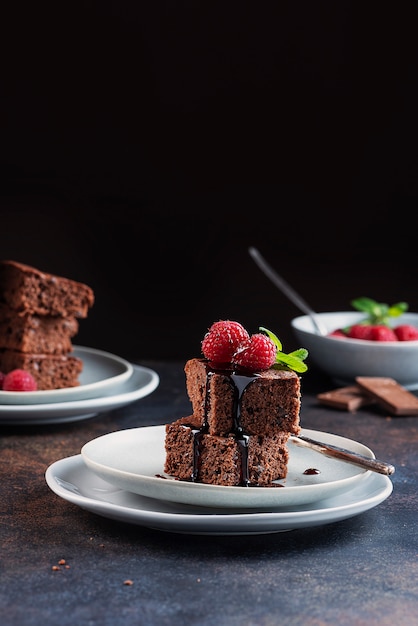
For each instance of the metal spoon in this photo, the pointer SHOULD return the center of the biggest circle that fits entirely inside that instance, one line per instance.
(287, 290)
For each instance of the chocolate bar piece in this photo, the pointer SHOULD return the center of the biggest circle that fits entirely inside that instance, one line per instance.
(346, 398)
(389, 394)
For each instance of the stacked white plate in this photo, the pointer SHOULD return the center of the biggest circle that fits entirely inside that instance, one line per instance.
(121, 476)
(107, 382)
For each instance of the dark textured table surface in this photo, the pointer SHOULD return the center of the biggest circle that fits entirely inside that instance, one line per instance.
(363, 570)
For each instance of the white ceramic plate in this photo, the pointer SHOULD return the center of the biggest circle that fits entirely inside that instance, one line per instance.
(142, 382)
(70, 479)
(102, 373)
(133, 459)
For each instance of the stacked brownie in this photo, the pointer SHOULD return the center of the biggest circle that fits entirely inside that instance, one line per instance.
(39, 315)
(239, 429)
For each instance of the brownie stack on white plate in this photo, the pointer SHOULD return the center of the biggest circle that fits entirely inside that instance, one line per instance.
(239, 429)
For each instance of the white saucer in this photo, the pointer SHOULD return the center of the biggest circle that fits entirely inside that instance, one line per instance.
(142, 382)
(70, 479)
(133, 459)
(102, 373)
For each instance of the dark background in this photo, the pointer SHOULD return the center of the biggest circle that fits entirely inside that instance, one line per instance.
(146, 145)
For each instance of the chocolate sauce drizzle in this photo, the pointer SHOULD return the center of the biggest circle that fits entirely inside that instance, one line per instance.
(239, 381)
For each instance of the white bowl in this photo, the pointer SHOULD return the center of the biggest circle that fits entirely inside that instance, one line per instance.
(343, 358)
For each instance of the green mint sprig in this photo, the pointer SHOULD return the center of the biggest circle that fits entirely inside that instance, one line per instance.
(377, 312)
(293, 360)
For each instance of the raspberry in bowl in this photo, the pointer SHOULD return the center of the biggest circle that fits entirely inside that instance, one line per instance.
(375, 340)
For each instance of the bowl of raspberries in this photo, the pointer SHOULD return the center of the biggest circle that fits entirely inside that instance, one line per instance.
(374, 339)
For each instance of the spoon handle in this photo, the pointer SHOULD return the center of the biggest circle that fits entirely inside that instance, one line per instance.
(344, 455)
(285, 288)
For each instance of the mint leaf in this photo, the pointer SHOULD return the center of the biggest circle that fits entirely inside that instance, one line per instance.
(293, 360)
(272, 336)
(378, 312)
(397, 309)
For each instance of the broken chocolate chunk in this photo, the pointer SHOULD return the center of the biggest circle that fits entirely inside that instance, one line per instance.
(346, 398)
(389, 394)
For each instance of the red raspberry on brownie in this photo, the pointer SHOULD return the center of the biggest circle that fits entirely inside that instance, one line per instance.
(222, 341)
(257, 354)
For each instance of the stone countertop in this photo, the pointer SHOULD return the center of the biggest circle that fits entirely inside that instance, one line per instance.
(62, 565)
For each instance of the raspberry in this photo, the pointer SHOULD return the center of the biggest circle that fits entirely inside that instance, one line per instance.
(338, 332)
(359, 331)
(382, 333)
(257, 354)
(222, 341)
(19, 380)
(406, 332)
